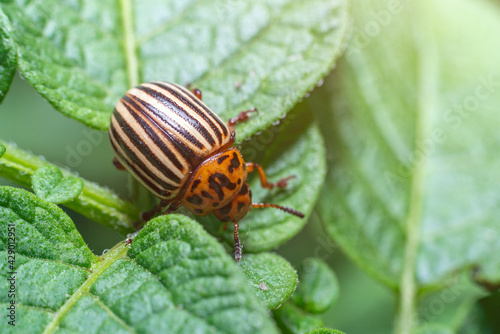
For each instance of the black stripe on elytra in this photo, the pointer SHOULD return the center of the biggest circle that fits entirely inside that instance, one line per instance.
(197, 107)
(137, 142)
(153, 186)
(178, 110)
(177, 142)
(164, 117)
(218, 181)
(149, 130)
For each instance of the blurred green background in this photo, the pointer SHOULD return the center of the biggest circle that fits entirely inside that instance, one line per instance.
(29, 121)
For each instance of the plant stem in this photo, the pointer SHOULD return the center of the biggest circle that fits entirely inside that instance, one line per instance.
(129, 43)
(95, 202)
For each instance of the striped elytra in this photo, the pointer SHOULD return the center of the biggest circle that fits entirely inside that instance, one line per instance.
(161, 132)
(182, 152)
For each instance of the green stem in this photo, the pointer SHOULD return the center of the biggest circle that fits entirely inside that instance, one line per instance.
(129, 43)
(95, 202)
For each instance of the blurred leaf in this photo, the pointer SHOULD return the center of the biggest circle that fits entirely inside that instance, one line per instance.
(412, 194)
(50, 185)
(7, 55)
(294, 148)
(83, 56)
(435, 329)
(483, 318)
(272, 277)
(95, 202)
(318, 288)
(175, 279)
(325, 331)
(2, 150)
(292, 320)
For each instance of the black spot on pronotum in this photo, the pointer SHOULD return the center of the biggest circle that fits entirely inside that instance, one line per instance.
(221, 159)
(216, 204)
(239, 181)
(195, 199)
(218, 181)
(206, 194)
(244, 189)
(195, 184)
(235, 163)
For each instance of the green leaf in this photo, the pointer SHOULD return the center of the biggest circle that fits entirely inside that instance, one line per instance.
(293, 320)
(272, 277)
(324, 331)
(199, 275)
(318, 288)
(294, 148)
(82, 57)
(95, 202)
(174, 278)
(412, 194)
(7, 56)
(2, 150)
(50, 185)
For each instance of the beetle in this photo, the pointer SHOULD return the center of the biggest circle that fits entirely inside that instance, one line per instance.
(184, 154)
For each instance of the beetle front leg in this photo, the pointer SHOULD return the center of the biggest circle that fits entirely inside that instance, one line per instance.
(117, 164)
(145, 216)
(242, 117)
(251, 166)
(195, 91)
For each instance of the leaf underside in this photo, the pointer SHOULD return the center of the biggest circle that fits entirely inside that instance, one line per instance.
(412, 195)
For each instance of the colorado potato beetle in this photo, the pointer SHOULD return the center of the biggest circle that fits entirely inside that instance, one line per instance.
(183, 153)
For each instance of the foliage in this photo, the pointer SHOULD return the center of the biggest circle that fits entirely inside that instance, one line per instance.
(174, 277)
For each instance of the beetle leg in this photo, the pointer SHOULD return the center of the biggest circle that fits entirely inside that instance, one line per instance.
(145, 216)
(243, 116)
(117, 164)
(195, 91)
(237, 245)
(251, 166)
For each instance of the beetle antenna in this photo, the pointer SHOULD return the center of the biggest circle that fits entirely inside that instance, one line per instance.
(237, 245)
(276, 206)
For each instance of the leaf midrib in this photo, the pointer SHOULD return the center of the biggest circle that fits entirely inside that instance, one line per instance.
(114, 255)
(427, 62)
